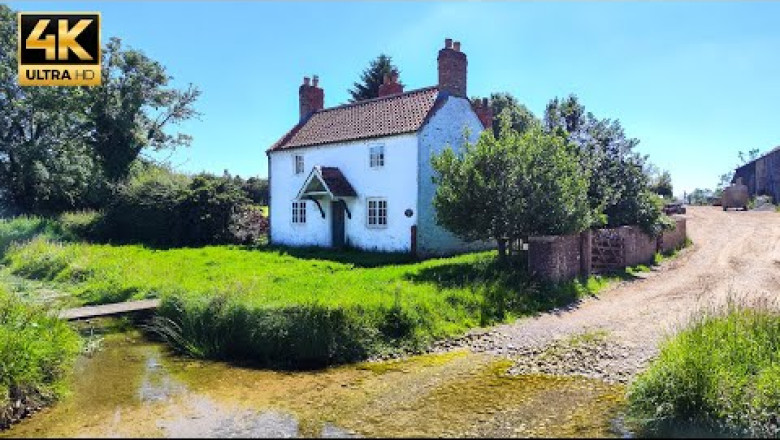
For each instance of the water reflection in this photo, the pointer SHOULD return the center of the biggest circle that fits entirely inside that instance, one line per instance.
(136, 388)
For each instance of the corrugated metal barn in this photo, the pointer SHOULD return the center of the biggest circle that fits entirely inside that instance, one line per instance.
(762, 176)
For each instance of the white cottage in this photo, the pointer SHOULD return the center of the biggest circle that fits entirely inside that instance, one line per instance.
(360, 175)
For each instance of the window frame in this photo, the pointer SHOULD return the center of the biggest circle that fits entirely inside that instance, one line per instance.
(378, 209)
(379, 158)
(298, 210)
(295, 164)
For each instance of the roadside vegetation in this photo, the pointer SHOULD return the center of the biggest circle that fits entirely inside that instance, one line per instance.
(36, 350)
(720, 376)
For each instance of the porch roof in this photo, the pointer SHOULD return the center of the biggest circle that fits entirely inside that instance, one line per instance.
(326, 181)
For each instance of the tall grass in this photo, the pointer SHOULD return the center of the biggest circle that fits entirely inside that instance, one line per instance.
(288, 306)
(720, 376)
(36, 350)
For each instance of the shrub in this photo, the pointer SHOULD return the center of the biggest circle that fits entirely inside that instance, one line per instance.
(166, 209)
(36, 351)
(719, 376)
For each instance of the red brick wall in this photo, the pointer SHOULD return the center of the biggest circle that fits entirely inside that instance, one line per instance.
(554, 257)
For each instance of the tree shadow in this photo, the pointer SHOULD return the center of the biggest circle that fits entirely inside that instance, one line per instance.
(506, 289)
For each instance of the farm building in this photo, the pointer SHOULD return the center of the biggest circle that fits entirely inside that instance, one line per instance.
(762, 175)
(360, 174)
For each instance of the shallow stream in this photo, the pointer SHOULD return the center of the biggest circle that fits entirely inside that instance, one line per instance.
(132, 387)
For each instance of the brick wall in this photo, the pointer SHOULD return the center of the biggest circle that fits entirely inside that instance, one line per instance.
(554, 257)
(564, 257)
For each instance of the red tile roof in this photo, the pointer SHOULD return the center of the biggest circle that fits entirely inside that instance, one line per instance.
(388, 115)
(338, 184)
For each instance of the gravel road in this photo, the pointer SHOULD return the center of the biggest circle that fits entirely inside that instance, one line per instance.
(733, 253)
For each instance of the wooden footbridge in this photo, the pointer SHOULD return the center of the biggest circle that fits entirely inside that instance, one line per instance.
(109, 309)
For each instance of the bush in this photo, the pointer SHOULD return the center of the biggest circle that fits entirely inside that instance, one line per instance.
(166, 209)
(721, 376)
(36, 351)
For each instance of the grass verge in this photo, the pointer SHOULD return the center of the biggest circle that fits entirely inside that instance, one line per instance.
(720, 376)
(36, 351)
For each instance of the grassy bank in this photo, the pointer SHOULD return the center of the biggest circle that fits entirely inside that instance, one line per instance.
(720, 376)
(35, 353)
(302, 307)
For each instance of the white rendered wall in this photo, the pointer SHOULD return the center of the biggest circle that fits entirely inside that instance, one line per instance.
(445, 128)
(396, 182)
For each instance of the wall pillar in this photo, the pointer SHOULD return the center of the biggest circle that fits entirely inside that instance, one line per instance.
(586, 252)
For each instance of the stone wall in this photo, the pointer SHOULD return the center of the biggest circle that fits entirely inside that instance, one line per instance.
(640, 247)
(554, 257)
(674, 239)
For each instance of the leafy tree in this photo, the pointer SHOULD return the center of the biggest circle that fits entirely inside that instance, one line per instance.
(372, 77)
(132, 108)
(662, 184)
(511, 187)
(617, 181)
(521, 119)
(44, 164)
(66, 147)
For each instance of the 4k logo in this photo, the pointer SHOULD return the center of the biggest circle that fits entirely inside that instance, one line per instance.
(59, 48)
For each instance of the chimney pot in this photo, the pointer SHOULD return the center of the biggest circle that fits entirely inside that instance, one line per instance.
(484, 102)
(315, 80)
(456, 46)
(310, 97)
(452, 69)
(390, 85)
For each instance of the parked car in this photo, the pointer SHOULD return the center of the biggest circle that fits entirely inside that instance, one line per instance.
(674, 208)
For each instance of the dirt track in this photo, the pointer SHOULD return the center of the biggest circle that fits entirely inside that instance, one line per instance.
(734, 253)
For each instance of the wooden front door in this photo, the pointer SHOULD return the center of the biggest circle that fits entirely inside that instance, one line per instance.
(337, 223)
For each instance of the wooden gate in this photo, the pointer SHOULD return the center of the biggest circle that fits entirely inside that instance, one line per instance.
(607, 251)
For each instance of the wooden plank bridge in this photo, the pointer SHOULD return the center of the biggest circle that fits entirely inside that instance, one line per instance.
(109, 309)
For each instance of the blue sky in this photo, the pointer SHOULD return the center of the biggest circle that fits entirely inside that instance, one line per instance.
(695, 82)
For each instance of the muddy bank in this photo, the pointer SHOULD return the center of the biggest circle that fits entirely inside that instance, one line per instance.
(133, 387)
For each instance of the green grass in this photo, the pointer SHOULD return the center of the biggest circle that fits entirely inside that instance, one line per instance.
(294, 306)
(720, 376)
(36, 351)
(273, 305)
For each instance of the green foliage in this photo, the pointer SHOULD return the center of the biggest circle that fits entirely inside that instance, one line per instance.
(619, 192)
(163, 208)
(661, 184)
(511, 187)
(718, 377)
(521, 119)
(63, 148)
(36, 351)
(372, 77)
(130, 111)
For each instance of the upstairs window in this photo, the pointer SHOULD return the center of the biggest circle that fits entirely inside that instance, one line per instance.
(299, 212)
(377, 156)
(377, 213)
(298, 163)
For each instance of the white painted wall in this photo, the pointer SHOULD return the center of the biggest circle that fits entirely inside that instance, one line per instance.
(444, 128)
(396, 181)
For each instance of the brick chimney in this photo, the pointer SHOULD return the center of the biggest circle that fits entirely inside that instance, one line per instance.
(452, 69)
(390, 86)
(484, 112)
(312, 98)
